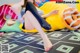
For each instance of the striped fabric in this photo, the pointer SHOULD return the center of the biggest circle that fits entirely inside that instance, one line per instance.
(5, 10)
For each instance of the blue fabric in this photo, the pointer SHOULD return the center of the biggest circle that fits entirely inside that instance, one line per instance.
(33, 10)
(22, 12)
(40, 4)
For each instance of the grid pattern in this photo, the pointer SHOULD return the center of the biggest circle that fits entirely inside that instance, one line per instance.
(63, 42)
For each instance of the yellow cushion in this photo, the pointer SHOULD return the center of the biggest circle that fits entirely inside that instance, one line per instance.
(78, 5)
(54, 20)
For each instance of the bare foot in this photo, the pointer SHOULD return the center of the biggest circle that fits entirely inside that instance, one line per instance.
(48, 47)
(10, 22)
(1, 34)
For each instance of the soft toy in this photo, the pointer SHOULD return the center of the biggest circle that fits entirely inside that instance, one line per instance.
(71, 18)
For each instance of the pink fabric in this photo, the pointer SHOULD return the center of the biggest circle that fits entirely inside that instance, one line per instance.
(6, 10)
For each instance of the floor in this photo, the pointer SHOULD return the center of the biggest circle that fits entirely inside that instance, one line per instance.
(63, 42)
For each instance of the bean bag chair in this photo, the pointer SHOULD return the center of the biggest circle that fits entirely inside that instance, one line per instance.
(78, 5)
(55, 21)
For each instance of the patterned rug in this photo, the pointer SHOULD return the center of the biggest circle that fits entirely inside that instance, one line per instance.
(63, 42)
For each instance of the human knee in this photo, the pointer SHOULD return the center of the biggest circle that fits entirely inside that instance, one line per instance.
(27, 11)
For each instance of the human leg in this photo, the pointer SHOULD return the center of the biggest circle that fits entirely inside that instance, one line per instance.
(35, 23)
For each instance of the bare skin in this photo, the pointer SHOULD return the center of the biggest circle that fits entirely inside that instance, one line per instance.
(50, 13)
(34, 24)
(31, 23)
(11, 22)
(1, 34)
(46, 15)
